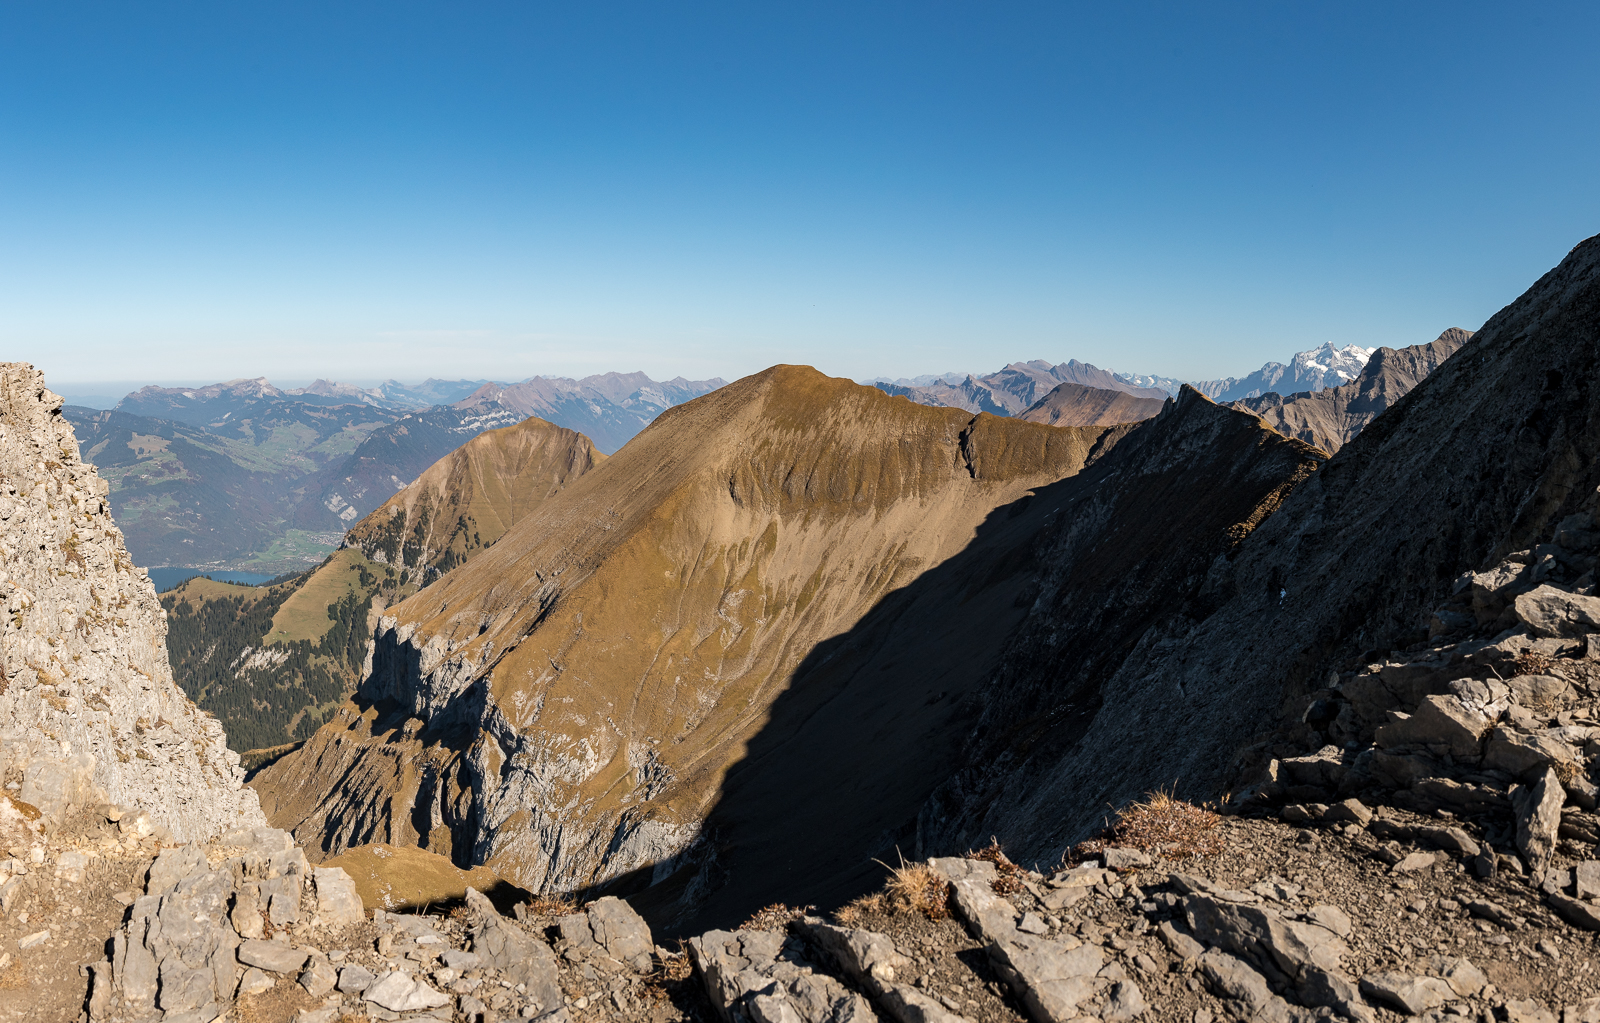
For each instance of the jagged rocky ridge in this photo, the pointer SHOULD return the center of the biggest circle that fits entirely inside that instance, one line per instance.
(1487, 456)
(1329, 418)
(87, 701)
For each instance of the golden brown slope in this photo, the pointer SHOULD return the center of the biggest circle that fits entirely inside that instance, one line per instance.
(273, 663)
(1076, 405)
(469, 498)
(576, 695)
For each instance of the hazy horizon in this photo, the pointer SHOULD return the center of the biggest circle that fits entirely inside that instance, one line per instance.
(371, 191)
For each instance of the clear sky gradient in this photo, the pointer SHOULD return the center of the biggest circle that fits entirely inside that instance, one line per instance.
(200, 191)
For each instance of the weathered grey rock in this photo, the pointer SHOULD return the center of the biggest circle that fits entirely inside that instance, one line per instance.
(1118, 858)
(1465, 979)
(457, 959)
(1182, 946)
(401, 992)
(1448, 721)
(58, 786)
(1052, 978)
(255, 981)
(523, 958)
(1351, 811)
(1539, 818)
(1525, 756)
(319, 978)
(338, 902)
(1586, 879)
(1126, 1002)
(756, 977)
(272, 955)
(1528, 1010)
(1234, 979)
(870, 959)
(83, 644)
(1575, 911)
(1306, 952)
(986, 914)
(355, 978)
(1331, 918)
(1548, 611)
(1413, 862)
(1451, 839)
(621, 932)
(1411, 995)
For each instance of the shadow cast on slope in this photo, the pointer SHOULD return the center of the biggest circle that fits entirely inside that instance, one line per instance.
(1006, 645)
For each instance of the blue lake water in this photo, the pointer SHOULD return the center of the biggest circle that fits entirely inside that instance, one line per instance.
(166, 578)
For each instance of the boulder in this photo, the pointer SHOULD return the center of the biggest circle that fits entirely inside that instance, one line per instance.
(1235, 980)
(621, 932)
(1575, 911)
(522, 957)
(758, 976)
(338, 902)
(1525, 756)
(354, 979)
(272, 955)
(1351, 811)
(1302, 950)
(1538, 811)
(1449, 721)
(1551, 612)
(401, 992)
(870, 960)
(1411, 995)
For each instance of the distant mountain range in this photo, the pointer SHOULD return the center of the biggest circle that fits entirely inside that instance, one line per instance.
(248, 476)
(1013, 389)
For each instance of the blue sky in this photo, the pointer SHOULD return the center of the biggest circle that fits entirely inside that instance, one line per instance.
(198, 191)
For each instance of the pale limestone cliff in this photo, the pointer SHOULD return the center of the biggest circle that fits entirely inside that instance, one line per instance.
(87, 692)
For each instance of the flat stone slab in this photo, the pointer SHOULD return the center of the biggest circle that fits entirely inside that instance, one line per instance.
(272, 955)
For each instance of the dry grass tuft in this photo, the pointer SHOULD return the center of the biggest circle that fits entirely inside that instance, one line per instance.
(1531, 662)
(1008, 876)
(551, 905)
(915, 888)
(1160, 823)
(775, 917)
(854, 911)
(675, 966)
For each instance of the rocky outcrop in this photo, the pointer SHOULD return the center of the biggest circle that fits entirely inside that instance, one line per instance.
(89, 712)
(1330, 418)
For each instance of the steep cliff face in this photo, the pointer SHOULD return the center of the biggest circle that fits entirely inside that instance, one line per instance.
(1482, 458)
(1330, 418)
(86, 681)
(567, 707)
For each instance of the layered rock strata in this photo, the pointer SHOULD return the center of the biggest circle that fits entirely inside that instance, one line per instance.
(88, 708)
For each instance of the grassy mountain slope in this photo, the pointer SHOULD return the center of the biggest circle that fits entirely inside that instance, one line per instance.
(567, 707)
(272, 662)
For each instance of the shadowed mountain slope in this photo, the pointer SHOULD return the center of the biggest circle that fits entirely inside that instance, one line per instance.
(1076, 405)
(1330, 418)
(564, 709)
(1482, 458)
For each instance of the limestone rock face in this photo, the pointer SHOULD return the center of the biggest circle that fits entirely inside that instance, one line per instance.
(88, 708)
